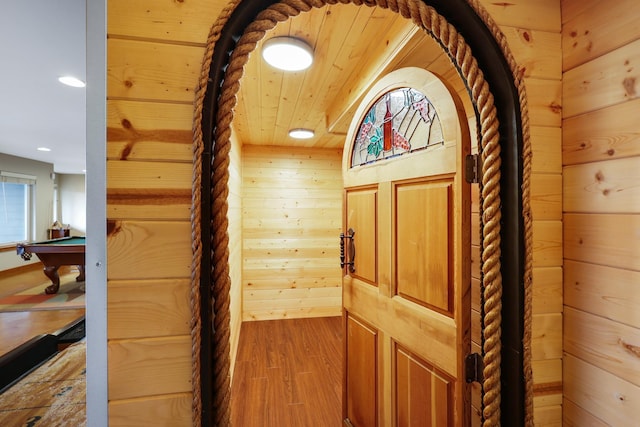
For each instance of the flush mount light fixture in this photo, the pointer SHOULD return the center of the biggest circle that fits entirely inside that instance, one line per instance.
(301, 133)
(71, 81)
(43, 149)
(287, 53)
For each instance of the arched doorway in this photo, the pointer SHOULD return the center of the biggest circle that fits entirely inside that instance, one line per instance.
(461, 19)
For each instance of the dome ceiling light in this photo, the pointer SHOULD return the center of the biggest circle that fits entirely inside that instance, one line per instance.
(287, 53)
(71, 81)
(301, 133)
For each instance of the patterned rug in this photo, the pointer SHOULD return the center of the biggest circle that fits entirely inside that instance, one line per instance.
(52, 395)
(70, 295)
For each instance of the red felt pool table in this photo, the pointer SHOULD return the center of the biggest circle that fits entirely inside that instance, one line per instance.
(54, 253)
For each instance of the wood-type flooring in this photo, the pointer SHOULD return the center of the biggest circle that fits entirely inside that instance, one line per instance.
(19, 327)
(288, 373)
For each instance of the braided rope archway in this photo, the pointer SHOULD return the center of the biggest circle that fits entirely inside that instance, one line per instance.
(460, 53)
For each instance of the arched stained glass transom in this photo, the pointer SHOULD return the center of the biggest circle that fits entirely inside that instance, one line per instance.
(401, 121)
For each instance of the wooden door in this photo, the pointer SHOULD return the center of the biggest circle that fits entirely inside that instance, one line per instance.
(406, 297)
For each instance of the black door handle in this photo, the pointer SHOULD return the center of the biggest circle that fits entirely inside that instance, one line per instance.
(351, 249)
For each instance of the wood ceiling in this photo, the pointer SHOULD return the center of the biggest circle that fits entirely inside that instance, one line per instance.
(353, 47)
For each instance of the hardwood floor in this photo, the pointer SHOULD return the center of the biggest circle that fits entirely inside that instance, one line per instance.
(288, 373)
(26, 277)
(19, 327)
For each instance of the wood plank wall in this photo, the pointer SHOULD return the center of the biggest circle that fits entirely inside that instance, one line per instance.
(601, 168)
(532, 30)
(154, 54)
(292, 216)
(235, 243)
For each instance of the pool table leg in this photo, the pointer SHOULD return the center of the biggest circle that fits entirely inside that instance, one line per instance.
(80, 277)
(51, 271)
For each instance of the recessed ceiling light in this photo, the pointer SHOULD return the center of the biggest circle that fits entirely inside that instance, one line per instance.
(44, 149)
(287, 53)
(71, 81)
(301, 133)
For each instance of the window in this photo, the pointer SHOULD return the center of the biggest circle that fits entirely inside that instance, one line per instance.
(16, 207)
(400, 121)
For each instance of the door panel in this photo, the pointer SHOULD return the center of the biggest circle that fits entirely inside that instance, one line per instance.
(361, 373)
(361, 207)
(407, 335)
(423, 232)
(423, 396)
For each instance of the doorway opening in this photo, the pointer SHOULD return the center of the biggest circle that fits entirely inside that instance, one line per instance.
(493, 83)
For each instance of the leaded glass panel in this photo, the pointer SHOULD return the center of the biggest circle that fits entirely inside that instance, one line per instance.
(400, 121)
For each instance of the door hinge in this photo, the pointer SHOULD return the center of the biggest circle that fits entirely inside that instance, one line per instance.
(473, 367)
(347, 422)
(472, 168)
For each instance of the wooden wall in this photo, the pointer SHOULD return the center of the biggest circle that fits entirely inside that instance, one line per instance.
(235, 243)
(292, 217)
(154, 55)
(532, 30)
(601, 168)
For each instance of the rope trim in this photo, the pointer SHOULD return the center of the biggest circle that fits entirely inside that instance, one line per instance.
(222, 362)
(460, 53)
(527, 156)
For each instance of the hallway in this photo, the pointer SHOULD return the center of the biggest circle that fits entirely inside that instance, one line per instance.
(288, 373)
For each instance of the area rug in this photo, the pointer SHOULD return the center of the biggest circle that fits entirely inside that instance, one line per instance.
(52, 395)
(70, 295)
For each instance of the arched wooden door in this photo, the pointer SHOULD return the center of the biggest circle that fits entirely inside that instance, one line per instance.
(406, 246)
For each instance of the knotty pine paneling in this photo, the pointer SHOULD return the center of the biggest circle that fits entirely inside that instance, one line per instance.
(547, 243)
(148, 308)
(603, 187)
(292, 216)
(149, 131)
(607, 134)
(536, 15)
(154, 56)
(172, 409)
(235, 244)
(546, 336)
(149, 367)
(593, 28)
(545, 102)
(604, 291)
(606, 239)
(575, 416)
(149, 190)
(537, 52)
(146, 70)
(548, 377)
(177, 21)
(149, 250)
(546, 196)
(547, 290)
(608, 397)
(546, 144)
(602, 82)
(548, 416)
(601, 212)
(607, 344)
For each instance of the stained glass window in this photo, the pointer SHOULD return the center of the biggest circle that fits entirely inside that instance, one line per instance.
(400, 121)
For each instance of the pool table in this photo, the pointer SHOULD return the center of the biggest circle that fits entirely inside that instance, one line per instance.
(54, 253)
